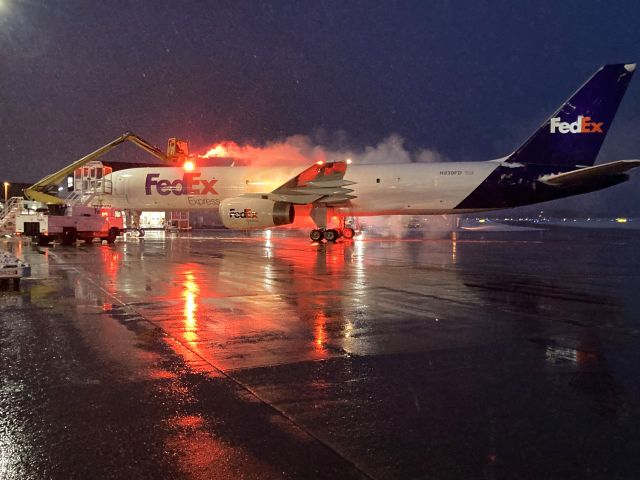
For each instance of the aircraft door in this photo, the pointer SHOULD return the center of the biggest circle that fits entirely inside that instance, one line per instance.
(120, 187)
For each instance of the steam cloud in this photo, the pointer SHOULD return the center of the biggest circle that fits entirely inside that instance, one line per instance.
(301, 150)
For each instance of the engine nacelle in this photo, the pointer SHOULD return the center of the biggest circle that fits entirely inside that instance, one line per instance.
(242, 213)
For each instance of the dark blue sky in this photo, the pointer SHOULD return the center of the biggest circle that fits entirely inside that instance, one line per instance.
(470, 79)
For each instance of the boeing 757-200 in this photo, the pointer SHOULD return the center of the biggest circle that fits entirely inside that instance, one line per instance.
(556, 161)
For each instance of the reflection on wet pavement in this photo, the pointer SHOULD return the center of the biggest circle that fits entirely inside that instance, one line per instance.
(476, 355)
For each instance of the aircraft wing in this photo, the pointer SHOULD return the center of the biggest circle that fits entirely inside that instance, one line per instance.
(320, 183)
(589, 173)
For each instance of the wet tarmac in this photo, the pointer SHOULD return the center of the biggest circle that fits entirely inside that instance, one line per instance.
(457, 355)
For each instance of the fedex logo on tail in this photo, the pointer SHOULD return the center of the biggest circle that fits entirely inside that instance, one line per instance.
(189, 184)
(581, 125)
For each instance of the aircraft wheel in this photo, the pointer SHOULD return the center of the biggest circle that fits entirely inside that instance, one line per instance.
(316, 235)
(348, 232)
(331, 235)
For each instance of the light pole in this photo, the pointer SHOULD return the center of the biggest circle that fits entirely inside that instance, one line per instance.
(6, 192)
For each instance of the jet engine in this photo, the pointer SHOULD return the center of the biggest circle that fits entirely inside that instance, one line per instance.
(243, 213)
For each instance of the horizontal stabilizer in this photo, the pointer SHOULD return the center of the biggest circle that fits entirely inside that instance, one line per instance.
(589, 173)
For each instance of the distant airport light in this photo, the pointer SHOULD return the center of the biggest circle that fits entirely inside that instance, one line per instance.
(349, 161)
(621, 220)
(189, 166)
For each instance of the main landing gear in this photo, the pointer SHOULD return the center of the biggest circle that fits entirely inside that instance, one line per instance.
(331, 234)
(316, 235)
(319, 216)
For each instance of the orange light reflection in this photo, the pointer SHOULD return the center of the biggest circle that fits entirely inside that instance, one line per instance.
(319, 330)
(454, 246)
(110, 267)
(190, 294)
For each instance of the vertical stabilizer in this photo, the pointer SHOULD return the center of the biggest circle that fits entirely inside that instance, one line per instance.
(573, 135)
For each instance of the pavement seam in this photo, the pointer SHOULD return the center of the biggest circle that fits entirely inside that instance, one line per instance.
(240, 384)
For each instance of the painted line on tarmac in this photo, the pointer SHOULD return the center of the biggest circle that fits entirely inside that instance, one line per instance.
(282, 413)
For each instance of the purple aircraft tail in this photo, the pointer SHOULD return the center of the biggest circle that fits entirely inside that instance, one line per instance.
(573, 135)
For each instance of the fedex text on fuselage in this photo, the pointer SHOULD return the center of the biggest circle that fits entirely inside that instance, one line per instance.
(189, 184)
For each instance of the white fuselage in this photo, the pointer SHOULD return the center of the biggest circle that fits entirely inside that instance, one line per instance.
(405, 189)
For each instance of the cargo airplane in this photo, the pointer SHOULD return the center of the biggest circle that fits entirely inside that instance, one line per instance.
(556, 161)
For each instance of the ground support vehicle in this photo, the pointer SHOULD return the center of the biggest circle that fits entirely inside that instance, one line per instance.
(12, 268)
(68, 224)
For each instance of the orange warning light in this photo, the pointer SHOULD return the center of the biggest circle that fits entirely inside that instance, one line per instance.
(189, 166)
